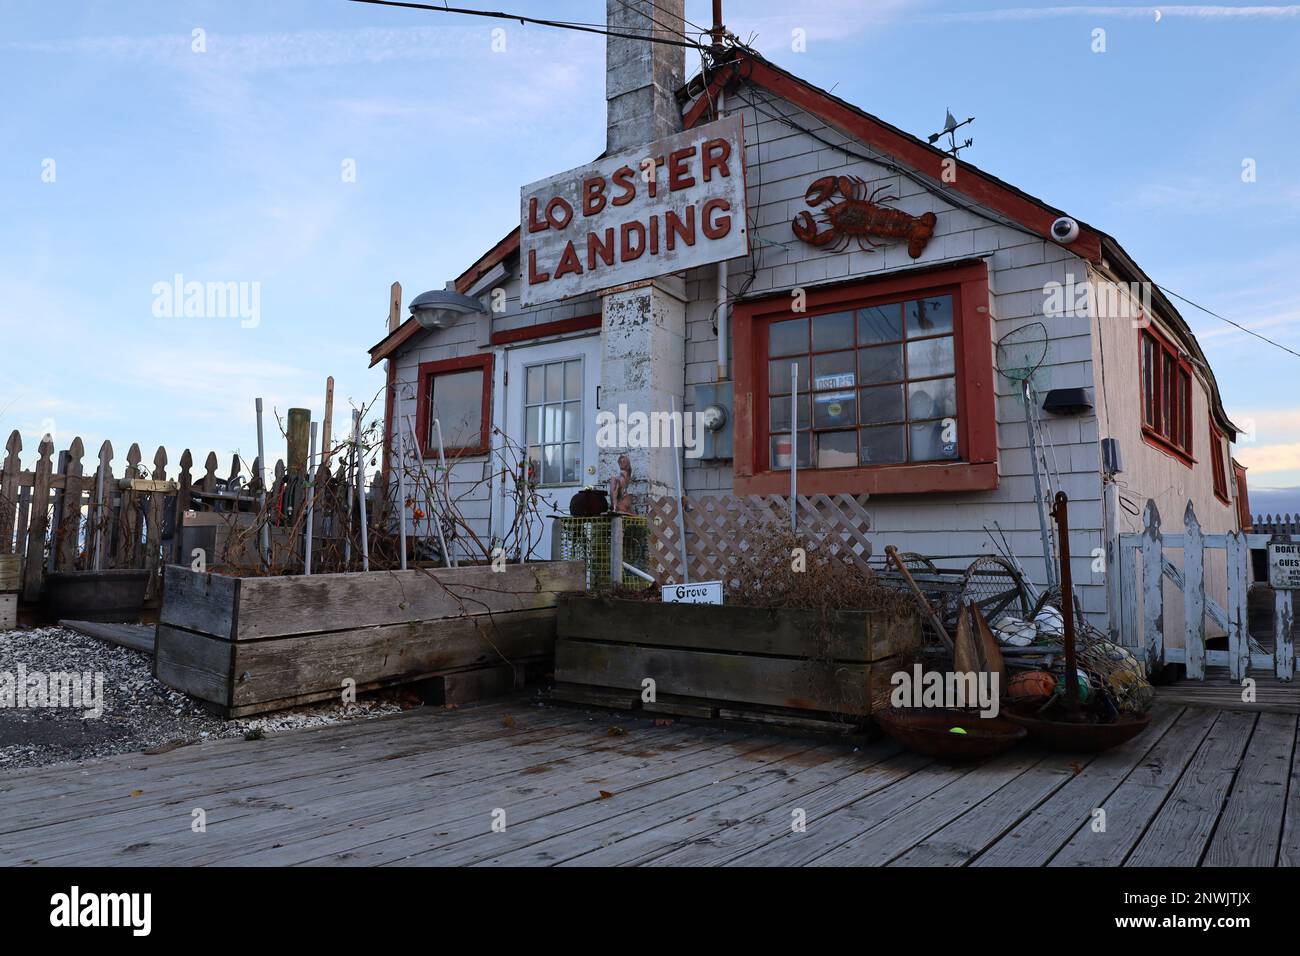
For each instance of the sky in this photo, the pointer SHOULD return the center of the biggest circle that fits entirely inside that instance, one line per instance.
(311, 152)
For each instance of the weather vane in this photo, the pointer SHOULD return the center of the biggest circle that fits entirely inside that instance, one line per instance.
(950, 127)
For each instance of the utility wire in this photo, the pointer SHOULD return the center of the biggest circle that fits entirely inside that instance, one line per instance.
(1235, 325)
(559, 24)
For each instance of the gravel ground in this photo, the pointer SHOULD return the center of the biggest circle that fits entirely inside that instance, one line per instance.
(139, 713)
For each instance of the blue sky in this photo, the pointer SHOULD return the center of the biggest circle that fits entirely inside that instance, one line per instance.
(228, 166)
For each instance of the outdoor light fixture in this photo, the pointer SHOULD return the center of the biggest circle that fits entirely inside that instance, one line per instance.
(443, 308)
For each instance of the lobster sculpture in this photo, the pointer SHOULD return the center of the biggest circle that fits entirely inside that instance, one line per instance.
(858, 216)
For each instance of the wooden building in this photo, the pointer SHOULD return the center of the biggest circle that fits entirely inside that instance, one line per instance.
(902, 398)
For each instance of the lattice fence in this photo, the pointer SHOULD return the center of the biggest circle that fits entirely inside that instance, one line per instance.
(718, 528)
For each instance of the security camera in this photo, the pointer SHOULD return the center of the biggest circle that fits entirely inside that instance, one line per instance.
(1065, 230)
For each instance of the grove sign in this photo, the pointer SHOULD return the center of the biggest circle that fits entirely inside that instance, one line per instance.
(668, 206)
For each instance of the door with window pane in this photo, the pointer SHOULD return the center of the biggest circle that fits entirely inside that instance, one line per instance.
(551, 401)
(875, 386)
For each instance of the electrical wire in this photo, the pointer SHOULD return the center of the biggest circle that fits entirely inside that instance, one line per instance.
(1235, 325)
(559, 24)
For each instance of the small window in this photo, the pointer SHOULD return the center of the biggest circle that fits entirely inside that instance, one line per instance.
(1166, 397)
(1218, 463)
(456, 393)
(553, 421)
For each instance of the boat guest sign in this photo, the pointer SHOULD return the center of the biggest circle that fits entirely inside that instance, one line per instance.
(669, 206)
(1284, 566)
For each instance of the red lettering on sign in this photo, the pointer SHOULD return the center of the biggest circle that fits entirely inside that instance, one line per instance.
(593, 195)
(535, 224)
(626, 253)
(534, 277)
(718, 162)
(654, 235)
(673, 223)
(605, 249)
(568, 262)
(715, 228)
(558, 223)
(678, 172)
(625, 178)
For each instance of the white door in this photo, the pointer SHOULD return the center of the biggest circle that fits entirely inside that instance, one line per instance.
(550, 402)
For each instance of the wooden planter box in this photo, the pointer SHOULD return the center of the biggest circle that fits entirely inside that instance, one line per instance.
(705, 657)
(253, 644)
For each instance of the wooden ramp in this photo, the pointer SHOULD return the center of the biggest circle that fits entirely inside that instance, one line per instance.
(512, 783)
(138, 637)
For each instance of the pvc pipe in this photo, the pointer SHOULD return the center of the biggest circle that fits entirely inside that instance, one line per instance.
(724, 316)
(311, 497)
(794, 443)
(401, 496)
(681, 502)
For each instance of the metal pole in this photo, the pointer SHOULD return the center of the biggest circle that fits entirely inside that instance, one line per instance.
(348, 468)
(681, 501)
(794, 445)
(1043, 530)
(311, 497)
(261, 480)
(401, 493)
(1060, 512)
(361, 490)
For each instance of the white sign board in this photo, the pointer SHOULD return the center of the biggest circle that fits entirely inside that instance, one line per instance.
(699, 592)
(671, 205)
(1284, 566)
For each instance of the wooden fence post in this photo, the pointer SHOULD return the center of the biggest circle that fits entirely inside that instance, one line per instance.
(1193, 595)
(34, 568)
(181, 504)
(154, 522)
(1153, 577)
(101, 513)
(68, 530)
(1283, 646)
(9, 494)
(1238, 559)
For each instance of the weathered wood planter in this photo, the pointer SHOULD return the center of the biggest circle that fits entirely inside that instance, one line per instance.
(705, 658)
(255, 644)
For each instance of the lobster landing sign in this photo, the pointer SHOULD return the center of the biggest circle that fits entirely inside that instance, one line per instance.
(672, 205)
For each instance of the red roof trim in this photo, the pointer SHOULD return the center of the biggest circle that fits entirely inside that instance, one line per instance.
(508, 245)
(971, 182)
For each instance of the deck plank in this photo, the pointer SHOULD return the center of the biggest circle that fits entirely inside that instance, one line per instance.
(1181, 830)
(966, 837)
(746, 836)
(1034, 840)
(1250, 830)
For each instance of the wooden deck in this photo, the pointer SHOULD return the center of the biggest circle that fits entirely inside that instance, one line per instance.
(572, 787)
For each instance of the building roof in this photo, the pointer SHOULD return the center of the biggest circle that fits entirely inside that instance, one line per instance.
(738, 68)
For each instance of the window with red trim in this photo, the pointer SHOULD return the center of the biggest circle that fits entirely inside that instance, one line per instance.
(1217, 463)
(1166, 396)
(457, 393)
(1243, 496)
(892, 393)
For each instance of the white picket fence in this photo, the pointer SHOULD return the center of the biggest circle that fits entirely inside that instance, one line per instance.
(1144, 628)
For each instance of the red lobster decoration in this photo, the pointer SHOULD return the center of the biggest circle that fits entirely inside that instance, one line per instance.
(859, 216)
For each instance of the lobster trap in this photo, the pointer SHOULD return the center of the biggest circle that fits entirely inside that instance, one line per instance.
(606, 543)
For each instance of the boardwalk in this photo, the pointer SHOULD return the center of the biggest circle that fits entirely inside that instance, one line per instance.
(1202, 786)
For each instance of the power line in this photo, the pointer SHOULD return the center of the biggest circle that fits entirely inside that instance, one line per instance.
(1236, 325)
(559, 24)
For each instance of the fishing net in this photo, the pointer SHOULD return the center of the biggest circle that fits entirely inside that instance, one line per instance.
(1021, 351)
